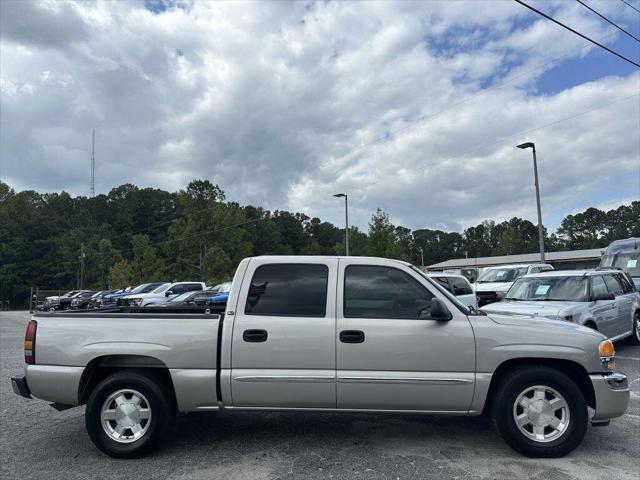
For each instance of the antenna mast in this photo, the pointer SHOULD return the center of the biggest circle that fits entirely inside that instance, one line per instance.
(93, 164)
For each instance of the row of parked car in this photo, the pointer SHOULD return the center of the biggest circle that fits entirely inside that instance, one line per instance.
(606, 299)
(157, 294)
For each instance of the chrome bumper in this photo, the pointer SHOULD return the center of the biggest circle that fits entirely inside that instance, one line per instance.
(612, 395)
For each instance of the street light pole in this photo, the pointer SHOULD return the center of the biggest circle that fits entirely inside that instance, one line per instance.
(346, 222)
(421, 257)
(535, 173)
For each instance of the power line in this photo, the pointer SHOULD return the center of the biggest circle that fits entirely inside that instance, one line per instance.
(626, 3)
(577, 33)
(606, 19)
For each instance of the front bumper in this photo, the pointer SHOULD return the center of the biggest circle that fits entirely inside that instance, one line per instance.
(20, 387)
(612, 395)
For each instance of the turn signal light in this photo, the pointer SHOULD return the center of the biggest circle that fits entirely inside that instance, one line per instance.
(30, 343)
(605, 349)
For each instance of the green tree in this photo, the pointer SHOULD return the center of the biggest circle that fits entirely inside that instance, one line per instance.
(383, 238)
(121, 275)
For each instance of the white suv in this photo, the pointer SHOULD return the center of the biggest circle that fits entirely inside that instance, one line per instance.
(163, 293)
(494, 282)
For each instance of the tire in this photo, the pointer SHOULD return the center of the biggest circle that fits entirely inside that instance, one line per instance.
(536, 437)
(135, 405)
(634, 339)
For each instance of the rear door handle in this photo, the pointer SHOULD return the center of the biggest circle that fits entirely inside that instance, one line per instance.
(254, 336)
(352, 336)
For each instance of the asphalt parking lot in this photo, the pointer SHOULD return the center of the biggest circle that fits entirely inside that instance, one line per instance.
(38, 442)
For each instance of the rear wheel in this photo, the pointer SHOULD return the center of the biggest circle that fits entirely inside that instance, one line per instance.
(128, 414)
(540, 412)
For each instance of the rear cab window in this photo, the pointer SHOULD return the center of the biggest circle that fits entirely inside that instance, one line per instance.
(288, 290)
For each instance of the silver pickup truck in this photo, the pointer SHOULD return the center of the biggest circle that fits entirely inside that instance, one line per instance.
(334, 334)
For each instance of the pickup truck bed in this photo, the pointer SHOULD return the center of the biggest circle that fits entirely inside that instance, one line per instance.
(71, 346)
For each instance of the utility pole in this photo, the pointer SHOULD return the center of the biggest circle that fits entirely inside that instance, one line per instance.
(346, 222)
(81, 282)
(421, 257)
(93, 164)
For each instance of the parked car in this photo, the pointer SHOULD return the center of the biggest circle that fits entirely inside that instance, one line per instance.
(625, 255)
(192, 298)
(604, 300)
(113, 298)
(494, 282)
(458, 285)
(221, 293)
(96, 300)
(81, 301)
(162, 293)
(52, 302)
(469, 273)
(325, 334)
(63, 302)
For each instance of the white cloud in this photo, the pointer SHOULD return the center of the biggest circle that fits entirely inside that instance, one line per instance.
(282, 103)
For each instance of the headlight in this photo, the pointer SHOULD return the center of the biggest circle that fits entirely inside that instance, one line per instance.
(500, 295)
(135, 302)
(607, 354)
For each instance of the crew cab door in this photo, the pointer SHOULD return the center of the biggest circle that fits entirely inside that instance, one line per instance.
(282, 348)
(388, 358)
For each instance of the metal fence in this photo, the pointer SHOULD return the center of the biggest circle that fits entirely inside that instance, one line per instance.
(4, 305)
(38, 297)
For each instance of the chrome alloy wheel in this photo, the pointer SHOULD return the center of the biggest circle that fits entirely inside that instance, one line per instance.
(125, 416)
(541, 413)
(636, 325)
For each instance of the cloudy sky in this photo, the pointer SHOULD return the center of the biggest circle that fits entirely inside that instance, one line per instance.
(413, 107)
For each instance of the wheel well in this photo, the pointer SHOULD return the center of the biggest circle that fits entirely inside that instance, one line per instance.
(101, 367)
(573, 370)
(591, 324)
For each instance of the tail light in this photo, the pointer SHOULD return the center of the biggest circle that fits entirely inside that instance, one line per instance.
(30, 343)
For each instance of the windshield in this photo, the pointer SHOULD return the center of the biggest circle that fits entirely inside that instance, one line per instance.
(501, 274)
(549, 289)
(629, 262)
(461, 306)
(144, 288)
(225, 287)
(162, 288)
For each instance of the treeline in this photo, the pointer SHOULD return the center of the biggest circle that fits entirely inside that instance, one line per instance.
(132, 235)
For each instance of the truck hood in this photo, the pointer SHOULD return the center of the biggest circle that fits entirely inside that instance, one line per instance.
(529, 309)
(519, 320)
(492, 286)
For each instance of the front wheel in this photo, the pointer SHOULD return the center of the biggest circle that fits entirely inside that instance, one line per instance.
(128, 414)
(634, 339)
(540, 412)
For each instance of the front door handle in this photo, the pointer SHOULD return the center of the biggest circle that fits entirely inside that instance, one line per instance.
(254, 336)
(352, 336)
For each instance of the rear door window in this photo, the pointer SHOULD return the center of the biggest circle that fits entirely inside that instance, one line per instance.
(613, 285)
(443, 281)
(598, 287)
(288, 290)
(459, 286)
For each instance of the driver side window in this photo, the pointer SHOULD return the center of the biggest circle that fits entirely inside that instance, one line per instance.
(383, 292)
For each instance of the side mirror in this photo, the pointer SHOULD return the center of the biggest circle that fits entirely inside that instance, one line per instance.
(167, 293)
(437, 311)
(604, 296)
